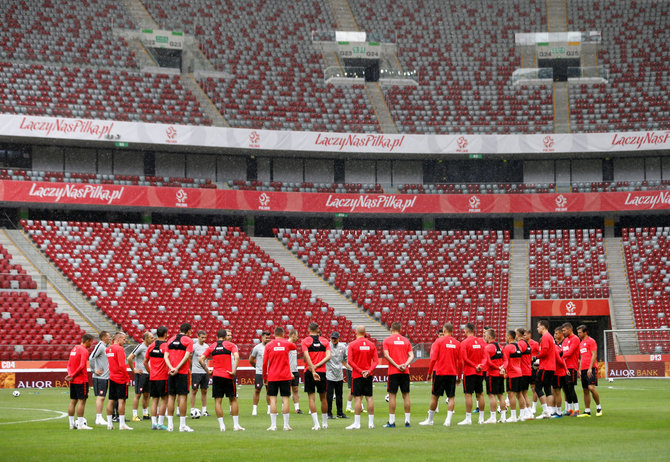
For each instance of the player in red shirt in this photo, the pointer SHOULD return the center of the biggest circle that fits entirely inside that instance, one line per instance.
(526, 372)
(512, 357)
(77, 375)
(571, 357)
(547, 369)
(472, 356)
(444, 363)
(154, 363)
(362, 355)
(588, 351)
(492, 363)
(560, 377)
(316, 352)
(399, 354)
(277, 376)
(225, 358)
(534, 350)
(118, 380)
(177, 355)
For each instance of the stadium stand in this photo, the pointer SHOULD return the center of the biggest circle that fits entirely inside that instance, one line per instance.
(567, 264)
(32, 329)
(464, 53)
(646, 253)
(36, 89)
(418, 278)
(144, 276)
(278, 75)
(96, 178)
(66, 32)
(635, 48)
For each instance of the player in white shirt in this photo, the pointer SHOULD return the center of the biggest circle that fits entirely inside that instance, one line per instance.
(199, 376)
(256, 360)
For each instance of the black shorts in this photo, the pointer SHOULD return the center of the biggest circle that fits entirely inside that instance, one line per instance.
(223, 387)
(141, 382)
(350, 381)
(158, 388)
(573, 377)
(283, 387)
(533, 376)
(473, 384)
(514, 384)
(362, 386)
(258, 382)
(200, 381)
(444, 384)
(525, 382)
(398, 381)
(79, 390)
(178, 384)
(117, 390)
(312, 385)
(586, 381)
(100, 387)
(559, 381)
(543, 382)
(495, 385)
(296, 379)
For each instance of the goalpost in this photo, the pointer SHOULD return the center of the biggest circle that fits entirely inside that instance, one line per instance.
(637, 353)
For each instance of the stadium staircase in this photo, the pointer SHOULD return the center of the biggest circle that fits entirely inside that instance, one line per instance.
(621, 313)
(59, 288)
(381, 109)
(557, 22)
(205, 103)
(517, 309)
(319, 287)
(343, 16)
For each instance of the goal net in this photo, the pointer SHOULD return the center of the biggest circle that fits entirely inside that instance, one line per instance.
(637, 353)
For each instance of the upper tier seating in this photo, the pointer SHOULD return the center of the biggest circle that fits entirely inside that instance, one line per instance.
(351, 188)
(419, 278)
(144, 276)
(605, 186)
(66, 31)
(43, 90)
(278, 75)
(31, 327)
(635, 38)
(567, 264)
(99, 178)
(647, 255)
(463, 51)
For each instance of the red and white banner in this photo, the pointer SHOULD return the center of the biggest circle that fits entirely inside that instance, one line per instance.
(629, 369)
(110, 131)
(31, 192)
(570, 307)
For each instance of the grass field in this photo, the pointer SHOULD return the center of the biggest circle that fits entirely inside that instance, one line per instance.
(635, 424)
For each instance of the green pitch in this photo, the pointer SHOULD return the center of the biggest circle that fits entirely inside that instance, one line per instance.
(635, 424)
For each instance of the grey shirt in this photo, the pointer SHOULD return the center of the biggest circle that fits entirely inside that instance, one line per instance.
(338, 354)
(98, 360)
(257, 353)
(198, 350)
(293, 360)
(139, 353)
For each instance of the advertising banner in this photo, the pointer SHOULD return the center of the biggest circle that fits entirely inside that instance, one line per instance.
(127, 133)
(570, 307)
(33, 192)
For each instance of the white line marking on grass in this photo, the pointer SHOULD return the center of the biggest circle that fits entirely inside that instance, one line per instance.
(60, 415)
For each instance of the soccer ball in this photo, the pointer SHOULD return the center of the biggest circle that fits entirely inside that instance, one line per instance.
(195, 414)
(611, 380)
(16, 393)
(386, 398)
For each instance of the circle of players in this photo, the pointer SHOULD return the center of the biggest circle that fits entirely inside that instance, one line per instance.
(163, 368)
